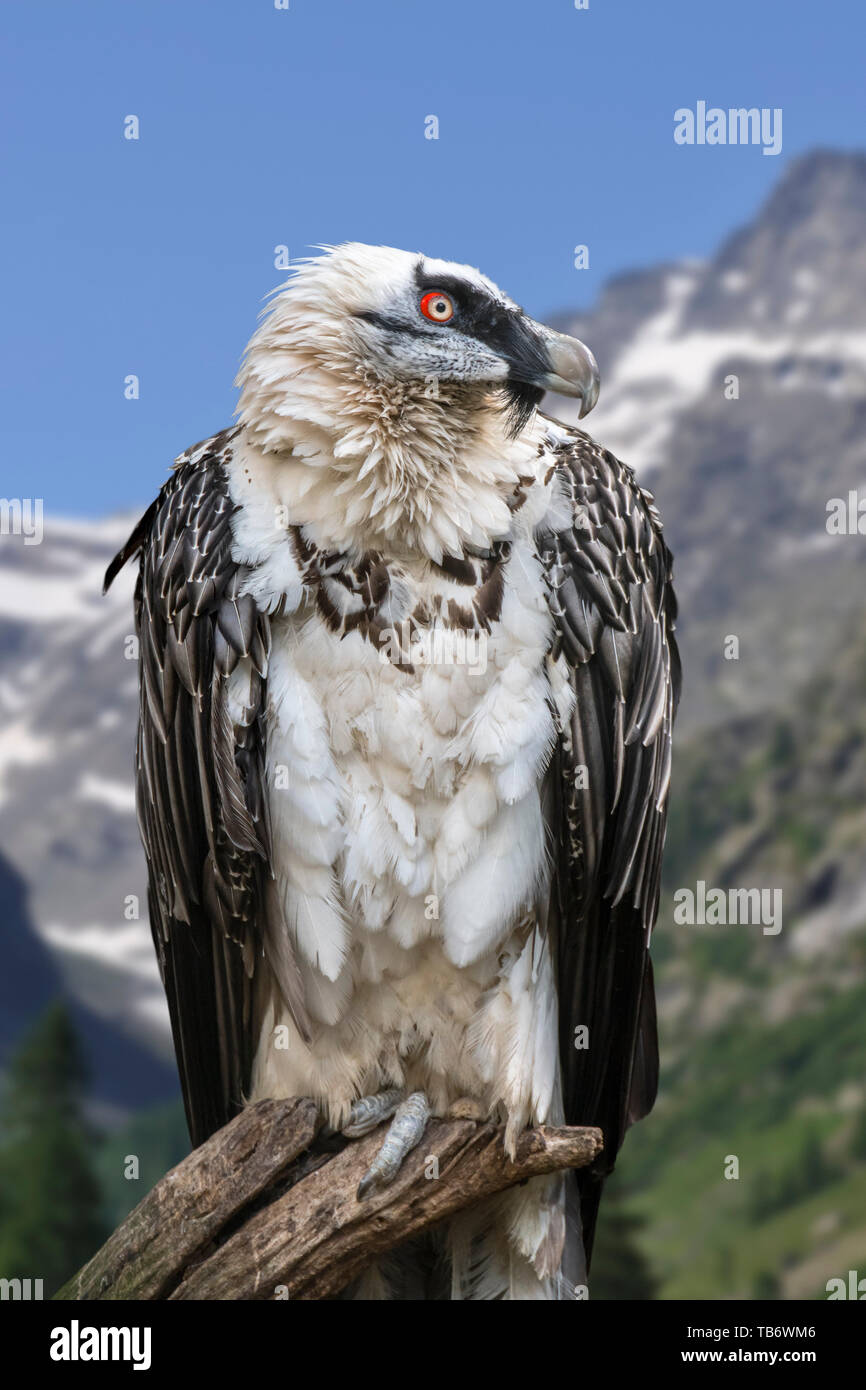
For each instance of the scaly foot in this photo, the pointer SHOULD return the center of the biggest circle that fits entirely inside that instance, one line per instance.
(404, 1133)
(370, 1111)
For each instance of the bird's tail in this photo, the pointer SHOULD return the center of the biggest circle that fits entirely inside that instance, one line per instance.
(522, 1245)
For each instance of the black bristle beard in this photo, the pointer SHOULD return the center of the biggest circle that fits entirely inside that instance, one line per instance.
(519, 401)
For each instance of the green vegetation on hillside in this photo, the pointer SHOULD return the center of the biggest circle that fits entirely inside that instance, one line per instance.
(763, 1037)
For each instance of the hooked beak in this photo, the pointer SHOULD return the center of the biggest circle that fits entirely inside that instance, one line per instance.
(543, 360)
(573, 369)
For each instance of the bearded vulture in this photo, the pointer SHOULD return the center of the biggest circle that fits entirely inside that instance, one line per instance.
(407, 678)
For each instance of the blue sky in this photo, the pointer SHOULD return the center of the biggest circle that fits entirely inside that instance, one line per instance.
(262, 127)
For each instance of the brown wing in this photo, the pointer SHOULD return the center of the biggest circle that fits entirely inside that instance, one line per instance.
(199, 771)
(609, 573)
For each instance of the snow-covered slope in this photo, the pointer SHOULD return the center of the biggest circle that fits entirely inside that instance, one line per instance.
(743, 472)
(68, 694)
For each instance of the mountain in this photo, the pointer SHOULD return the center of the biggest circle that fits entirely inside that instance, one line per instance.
(743, 486)
(119, 1068)
(68, 698)
(762, 1035)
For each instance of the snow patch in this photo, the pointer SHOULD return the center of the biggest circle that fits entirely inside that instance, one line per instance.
(20, 747)
(118, 796)
(664, 371)
(733, 281)
(123, 946)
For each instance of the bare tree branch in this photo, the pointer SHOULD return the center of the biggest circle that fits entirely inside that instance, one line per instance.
(256, 1214)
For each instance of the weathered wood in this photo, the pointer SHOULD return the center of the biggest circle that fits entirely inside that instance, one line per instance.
(194, 1202)
(318, 1237)
(251, 1215)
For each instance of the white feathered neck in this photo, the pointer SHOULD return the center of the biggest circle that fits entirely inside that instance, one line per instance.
(363, 460)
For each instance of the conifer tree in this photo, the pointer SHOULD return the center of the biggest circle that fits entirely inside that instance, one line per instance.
(50, 1198)
(619, 1267)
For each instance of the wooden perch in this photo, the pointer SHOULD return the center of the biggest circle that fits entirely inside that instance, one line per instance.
(255, 1214)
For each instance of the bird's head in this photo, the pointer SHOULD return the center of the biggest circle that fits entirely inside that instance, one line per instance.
(408, 317)
(423, 319)
(391, 363)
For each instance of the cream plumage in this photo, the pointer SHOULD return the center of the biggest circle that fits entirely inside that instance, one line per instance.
(376, 869)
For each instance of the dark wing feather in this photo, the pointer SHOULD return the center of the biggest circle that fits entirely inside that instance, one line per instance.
(199, 771)
(609, 575)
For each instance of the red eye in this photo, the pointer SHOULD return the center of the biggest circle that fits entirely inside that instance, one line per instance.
(436, 306)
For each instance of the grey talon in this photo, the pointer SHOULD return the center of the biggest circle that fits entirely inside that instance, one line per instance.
(370, 1111)
(404, 1133)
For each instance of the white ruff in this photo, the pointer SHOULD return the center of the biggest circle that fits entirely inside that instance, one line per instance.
(367, 459)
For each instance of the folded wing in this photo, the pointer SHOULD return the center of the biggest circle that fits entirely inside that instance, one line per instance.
(609, 575)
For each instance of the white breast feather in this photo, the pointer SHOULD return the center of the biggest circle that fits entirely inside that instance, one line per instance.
(408, 842)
